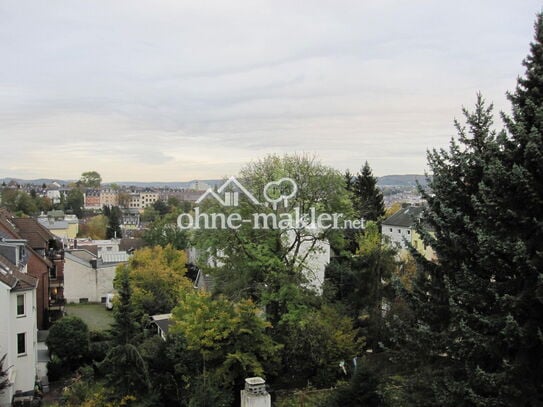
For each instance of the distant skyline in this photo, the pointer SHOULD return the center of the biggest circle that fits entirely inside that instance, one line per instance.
(175, 91)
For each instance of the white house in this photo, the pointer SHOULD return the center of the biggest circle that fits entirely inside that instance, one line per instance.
(88, 278)
(18, 334)
(399, 228)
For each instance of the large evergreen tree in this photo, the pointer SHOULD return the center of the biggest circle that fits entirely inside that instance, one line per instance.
(125, 368)
(476, 334)
(368, 199)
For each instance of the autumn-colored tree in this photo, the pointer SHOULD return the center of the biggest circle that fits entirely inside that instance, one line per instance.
(95, 227)
(157, 276)
(230, 336)
(392, 209)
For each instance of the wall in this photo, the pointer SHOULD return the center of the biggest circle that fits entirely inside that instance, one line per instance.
(82, 281)
(5, 317)
(397, 234)
(23, 368)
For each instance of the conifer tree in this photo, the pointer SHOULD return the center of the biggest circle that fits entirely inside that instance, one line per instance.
(368, 199)
(126, 370)
(476, 334)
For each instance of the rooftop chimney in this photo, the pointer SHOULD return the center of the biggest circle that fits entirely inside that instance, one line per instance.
(255, 393)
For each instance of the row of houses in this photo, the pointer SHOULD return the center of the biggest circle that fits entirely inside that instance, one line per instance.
(95, 199)
(31, 296)
(38, 276)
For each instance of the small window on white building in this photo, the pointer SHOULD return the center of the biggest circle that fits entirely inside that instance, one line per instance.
(21, 305)
(391, 229)
(399, 231)
(21, 343)
(408, 232)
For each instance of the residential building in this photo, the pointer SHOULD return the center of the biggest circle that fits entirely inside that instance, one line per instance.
(89, 278)
(98, 246)
(43, 260)
(92, 199)
(188, 195)
(109, 197)
(61, 225)
(162, 324)
(51, 252)
(400, 231)
(142, 199)
(18, 333)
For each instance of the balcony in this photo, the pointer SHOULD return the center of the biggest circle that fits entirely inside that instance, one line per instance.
(57, 304)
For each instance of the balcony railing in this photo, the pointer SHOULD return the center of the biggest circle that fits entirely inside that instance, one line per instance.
(57, 303)
(56, 282)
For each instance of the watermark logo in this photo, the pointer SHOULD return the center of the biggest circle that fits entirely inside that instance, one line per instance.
(280, 191)
(276, 194)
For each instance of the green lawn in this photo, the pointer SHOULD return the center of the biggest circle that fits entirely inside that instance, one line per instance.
(95, 316)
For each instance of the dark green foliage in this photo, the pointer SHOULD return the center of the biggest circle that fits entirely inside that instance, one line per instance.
(315, 342)
(19, 202)
(362, 390)
(56, 369)
(163, 233)
(475, 336)
(4, 381)
(124, 368)
(74, 202)
(161, 207)
(114, 223)
(90, 179)
(361, 283)
(69, 340)
(209, 393)
(367, 198)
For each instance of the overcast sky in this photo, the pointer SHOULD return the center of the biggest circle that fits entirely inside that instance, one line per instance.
(176, 90)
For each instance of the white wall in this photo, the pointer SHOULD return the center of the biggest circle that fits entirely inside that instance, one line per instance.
(25, 365)
(81, 281)
(22, 369)
(5, 333)
(397, 234)
(315, 262)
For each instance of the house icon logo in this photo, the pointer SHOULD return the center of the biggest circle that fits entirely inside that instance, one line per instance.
(231, 198)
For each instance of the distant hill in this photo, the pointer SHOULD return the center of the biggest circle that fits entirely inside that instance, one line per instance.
(406, 180)
(139, 184)
(38, 181)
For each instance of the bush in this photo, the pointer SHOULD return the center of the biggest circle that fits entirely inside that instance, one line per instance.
(69, 340)
(99, 336)
(56, 369)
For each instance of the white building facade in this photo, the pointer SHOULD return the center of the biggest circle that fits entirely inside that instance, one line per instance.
(18, 332)
(88, 278)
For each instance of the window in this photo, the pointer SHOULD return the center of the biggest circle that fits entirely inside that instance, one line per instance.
(408, 232)
(53, 273)
(21, 305)
(21, 343)
(391, 229)
(399, 231)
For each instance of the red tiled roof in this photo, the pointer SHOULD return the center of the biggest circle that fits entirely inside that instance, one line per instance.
(30, 229)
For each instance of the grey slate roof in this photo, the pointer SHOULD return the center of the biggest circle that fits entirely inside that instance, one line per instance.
(405, 217)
